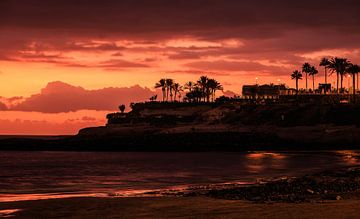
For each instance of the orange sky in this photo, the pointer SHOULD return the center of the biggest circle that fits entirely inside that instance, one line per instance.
(114, 52)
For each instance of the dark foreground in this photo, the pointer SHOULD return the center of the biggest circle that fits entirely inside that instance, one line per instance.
(179, 207)
(330, 194)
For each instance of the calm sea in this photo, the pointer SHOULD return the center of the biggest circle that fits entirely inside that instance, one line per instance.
(38, 175)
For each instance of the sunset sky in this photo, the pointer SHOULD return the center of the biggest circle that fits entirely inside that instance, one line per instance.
(64, 64)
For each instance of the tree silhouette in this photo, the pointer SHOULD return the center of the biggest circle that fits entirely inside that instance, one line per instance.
(296, 75)
(162, 84)
(213, 86)
(203, 84)
(189, 85)
(195, 95)
(312, 73)
(153, 98)
(325, 62)
(339, 66)
(354, 71)
(122, 108)
(169, 88)
(306, 68)
(177, 89)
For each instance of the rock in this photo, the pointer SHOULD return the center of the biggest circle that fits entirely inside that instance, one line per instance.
(310, 191)
(256, 198)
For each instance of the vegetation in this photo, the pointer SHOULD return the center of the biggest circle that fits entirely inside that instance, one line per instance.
(162, 84)
(325, 62)
(313, 72)
(354, 71)
(204, 90)
(341, 66)
(296, 75)
(306, 68)
(122, 108)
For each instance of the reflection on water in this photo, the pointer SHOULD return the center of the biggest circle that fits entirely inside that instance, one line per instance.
(43, 175)
(257, 161)
(350, 157)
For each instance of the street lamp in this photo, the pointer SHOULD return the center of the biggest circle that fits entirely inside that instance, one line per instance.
(256, 80)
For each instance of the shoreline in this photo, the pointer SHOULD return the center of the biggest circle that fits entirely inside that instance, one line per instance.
(179, 207)
(336, 191)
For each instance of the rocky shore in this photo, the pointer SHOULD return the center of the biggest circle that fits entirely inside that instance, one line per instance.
(338, 184)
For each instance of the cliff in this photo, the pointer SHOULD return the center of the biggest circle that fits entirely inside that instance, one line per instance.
(213, 127)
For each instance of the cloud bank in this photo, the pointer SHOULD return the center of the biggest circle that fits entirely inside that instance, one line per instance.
(59, 97)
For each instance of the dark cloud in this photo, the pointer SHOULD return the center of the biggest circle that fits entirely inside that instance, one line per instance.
(278, 31)
(198, 72)
(257, 18)
(234, 66)
(118, 63)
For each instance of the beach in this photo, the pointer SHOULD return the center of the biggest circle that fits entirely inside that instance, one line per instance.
(179, 207)
(327, 194)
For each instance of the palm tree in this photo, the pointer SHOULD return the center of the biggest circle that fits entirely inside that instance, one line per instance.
(169, 88)
(195, 95)
(339, 65)
(312, 73)
(177, 89)
(306, 68)
(325, 62)
(189, 85)
(354, 71)
(213, 86)
(161, 84)
(203, 84)
(297, 76)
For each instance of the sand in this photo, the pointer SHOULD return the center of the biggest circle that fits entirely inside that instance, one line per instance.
(179, 207)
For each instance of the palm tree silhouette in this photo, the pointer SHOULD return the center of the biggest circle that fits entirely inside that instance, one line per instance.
(312, 73)
(213, 86)
(306, 68)
(325, 62)
(169, 88)
(189, 85)
(161, 84)
(203, 84)
(354, 71)
(297, 76)
(177, 89)
(195, 95)
(339, 65)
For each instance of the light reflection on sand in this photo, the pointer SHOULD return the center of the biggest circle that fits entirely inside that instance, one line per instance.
(8, 212)
(27, 197)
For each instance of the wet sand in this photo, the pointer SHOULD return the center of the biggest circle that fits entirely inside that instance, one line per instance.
(180, 207)
(303, 197)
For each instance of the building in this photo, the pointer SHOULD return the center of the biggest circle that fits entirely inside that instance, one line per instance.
(266, 91)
